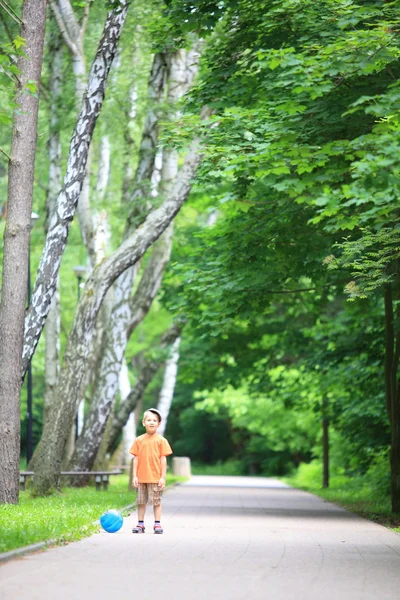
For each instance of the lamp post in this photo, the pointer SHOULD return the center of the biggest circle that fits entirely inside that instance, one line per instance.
(29, 382)
(80, 272)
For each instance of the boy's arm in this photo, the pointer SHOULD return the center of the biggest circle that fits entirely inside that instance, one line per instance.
(163, 463)
(135, 479)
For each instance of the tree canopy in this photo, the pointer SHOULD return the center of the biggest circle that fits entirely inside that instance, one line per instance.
(285, 250)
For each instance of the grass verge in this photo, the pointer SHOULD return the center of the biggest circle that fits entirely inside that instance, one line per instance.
(66, 516)
(365, 495)
(232, 467)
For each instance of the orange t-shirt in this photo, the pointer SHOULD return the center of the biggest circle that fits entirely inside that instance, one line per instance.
(149, 449)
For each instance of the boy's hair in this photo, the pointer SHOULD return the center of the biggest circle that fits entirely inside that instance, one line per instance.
(155, 412)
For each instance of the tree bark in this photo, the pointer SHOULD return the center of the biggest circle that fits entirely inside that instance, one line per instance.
(53, 322)
(104, 168)
(56, 238)
(107, 381)
(52, 444)
(325, 442)
(124, 316)
(148, 145)
(147, 371)
(108, 369)
(392, 355)
(168, 386)
(129, 430)
(16, 246)
(73, 34)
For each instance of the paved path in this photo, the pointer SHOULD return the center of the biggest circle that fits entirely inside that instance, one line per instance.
(227, 538)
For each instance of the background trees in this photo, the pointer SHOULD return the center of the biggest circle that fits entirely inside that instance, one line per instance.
(297, 89)
(293, 211)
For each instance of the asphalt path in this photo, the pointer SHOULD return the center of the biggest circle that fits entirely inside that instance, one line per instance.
(233, 538)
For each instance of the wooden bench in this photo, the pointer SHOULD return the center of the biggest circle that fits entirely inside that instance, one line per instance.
(100, 477)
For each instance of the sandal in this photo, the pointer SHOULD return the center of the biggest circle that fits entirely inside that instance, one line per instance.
(138, 529)
(158, 529)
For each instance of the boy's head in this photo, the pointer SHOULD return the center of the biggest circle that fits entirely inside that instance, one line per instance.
(151, 420)
(154, 411)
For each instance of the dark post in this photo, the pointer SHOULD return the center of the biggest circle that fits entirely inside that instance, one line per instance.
(325, 441)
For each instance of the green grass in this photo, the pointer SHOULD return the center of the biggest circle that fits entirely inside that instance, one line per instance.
(65, 516)
(231, 467)
(366, 495)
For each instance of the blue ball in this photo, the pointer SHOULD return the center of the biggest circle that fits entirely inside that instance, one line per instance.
(111, 520)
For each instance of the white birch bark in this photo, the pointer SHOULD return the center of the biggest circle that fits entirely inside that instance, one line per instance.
(51, 447)
(104, 168)
(148, 145)
(106, 380)
(128, 173)
(129, 313)
(148, 369)
(129, 431)
(16, 245)
(53, 322)
(168, 386)
(56, 238)
(73, 34)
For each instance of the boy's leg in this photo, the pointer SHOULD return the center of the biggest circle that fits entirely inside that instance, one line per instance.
(141, 499)
(157, 511)
(140, 526)
(141, 511)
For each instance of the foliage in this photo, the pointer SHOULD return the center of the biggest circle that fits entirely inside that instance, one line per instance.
(229, 468)
(304, 161)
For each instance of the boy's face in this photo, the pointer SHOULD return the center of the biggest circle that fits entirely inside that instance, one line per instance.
(150, 423)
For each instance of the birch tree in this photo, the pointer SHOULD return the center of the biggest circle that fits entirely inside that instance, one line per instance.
(52, 328)
(16, 244)
(51, 447)
(123, 318)
(148, 369)
(73, 33)
(107, 377)
(89, 442)
(56, 239)
(168, 386)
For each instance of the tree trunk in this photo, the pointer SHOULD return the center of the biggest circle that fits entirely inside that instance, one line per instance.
(73, 34)
(325, 442)
(107, 380)
(125, 317)
(52, 444)
(168, 386)
(148, 145)
(148, 370)
(108, 369)
(121, 457)
(392, 352)
(129, 431)
(56, 238)
(16, 246)
(104, 168)
(53, 322)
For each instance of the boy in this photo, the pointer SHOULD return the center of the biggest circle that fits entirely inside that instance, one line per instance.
(150, 452)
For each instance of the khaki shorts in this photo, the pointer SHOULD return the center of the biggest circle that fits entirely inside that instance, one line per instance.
(148, 493)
